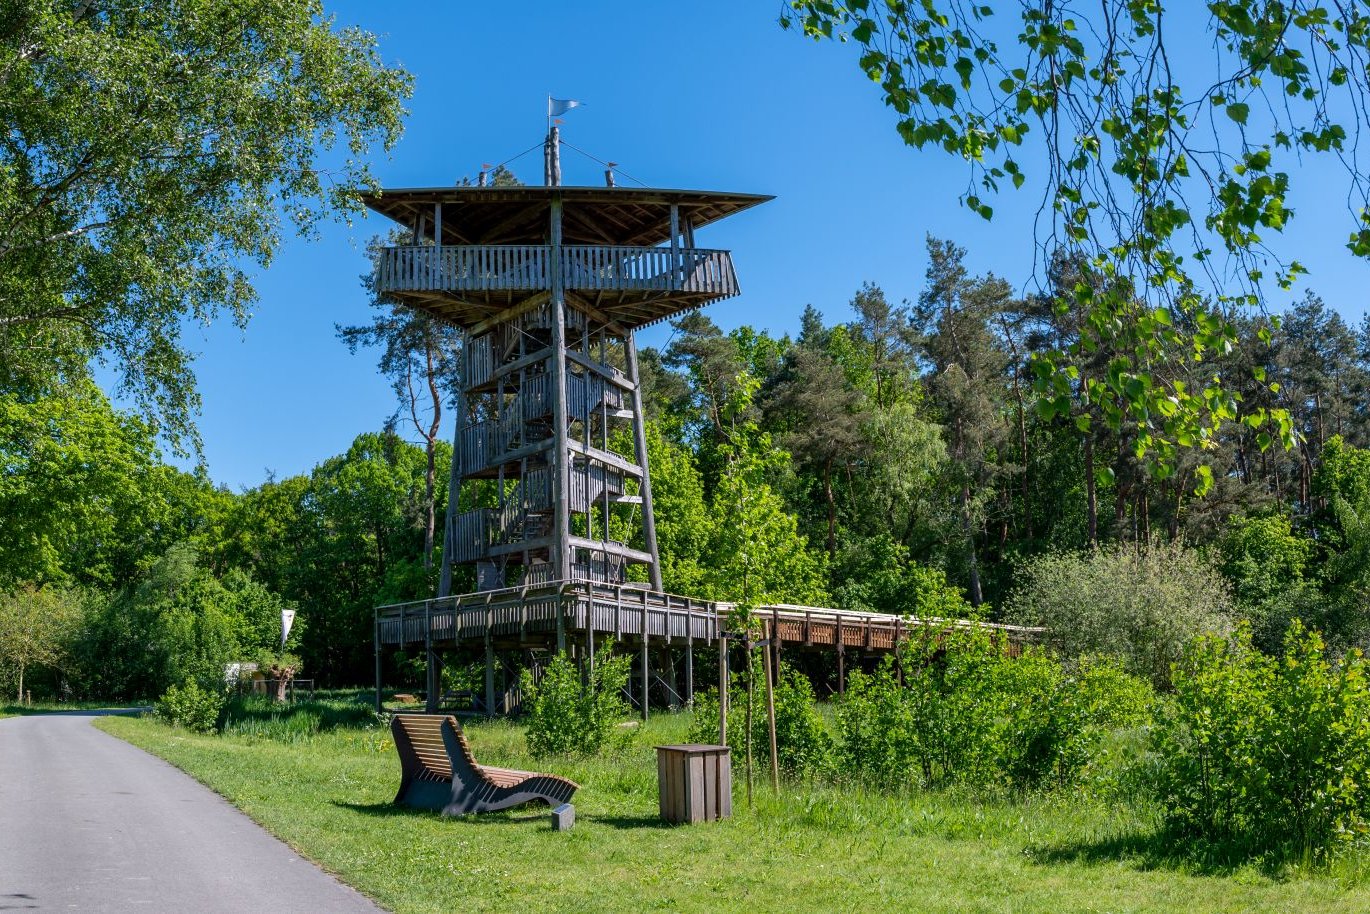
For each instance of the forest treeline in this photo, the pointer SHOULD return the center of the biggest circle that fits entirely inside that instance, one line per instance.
(897, 460)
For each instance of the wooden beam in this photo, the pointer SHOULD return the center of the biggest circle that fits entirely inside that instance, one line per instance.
(606, 372)
(590, 226)
(536, 300)
(606, 457)
(612, 548)
(609, 323)
(561, 463)
(527, 213)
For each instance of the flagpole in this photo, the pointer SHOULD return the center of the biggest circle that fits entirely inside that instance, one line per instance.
(549, 112)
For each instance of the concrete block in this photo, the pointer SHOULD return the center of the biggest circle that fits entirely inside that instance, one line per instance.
(563, 817)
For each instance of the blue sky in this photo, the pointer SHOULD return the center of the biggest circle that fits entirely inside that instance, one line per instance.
(707, 95)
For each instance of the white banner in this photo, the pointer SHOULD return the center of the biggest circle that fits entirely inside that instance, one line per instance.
(287, 620)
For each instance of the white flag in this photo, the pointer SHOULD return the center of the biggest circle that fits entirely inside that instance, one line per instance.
(559, 106)
(287, 620)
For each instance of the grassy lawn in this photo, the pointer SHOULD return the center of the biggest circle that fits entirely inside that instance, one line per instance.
(814, 849)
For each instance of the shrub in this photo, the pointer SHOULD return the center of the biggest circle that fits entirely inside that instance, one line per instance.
(191, 707)
(566, 716)
(878, 739)
(1064, 735)
(1140, 606)
(1265, 754)
(803, 744)
(968, 712)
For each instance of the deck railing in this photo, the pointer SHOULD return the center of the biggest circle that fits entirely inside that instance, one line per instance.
(630, 609)
(521, 267)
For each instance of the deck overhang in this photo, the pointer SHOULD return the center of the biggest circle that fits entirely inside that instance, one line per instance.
(624, 216)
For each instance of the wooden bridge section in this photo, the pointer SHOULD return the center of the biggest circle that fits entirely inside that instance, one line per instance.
(558, 615)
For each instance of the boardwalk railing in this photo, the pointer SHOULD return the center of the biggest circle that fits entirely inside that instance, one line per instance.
(519, 267)
(534, 612)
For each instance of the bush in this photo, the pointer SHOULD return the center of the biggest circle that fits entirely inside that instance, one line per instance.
(1140, 606)
(969, 713)
(1063, 736)
(566, 716)
(191, 707)
(1266, 755)
(803, 744)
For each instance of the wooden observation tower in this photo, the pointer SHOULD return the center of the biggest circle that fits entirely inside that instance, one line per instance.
(549, 284)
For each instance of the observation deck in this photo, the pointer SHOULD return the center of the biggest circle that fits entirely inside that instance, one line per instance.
(635, 286)
(624, 257)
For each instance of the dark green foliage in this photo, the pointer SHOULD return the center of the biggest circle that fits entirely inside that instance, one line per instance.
(191, 707)
(339, 542)
(880, 577)
(568, 716)
(84, 495)
(178, 623)
(1268, 755)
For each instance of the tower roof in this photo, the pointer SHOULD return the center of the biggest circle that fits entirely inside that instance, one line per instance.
(590, 215)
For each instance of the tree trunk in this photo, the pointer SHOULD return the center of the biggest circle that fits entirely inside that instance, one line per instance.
(279, 681)
(1026, 478)
(430, 447)
(832, 508)
(1091, 495)
(20, 698)
(429, 502)
(976, 597)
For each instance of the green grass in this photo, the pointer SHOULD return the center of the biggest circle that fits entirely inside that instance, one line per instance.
(327, 793)
(48, 707)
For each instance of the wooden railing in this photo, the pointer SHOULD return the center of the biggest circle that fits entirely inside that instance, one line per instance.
(631, 609)
(593, 268)
(472, 534)
(486, 442)
(466, 267)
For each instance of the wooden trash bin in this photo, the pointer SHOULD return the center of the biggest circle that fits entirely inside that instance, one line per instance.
(695, 782)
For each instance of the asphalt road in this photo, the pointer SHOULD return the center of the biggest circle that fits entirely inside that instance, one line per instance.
(89, 823)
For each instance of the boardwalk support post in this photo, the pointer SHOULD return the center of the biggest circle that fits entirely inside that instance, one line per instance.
(379, 706)
(646, 661)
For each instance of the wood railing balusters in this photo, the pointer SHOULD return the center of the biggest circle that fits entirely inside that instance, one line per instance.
(502, 268)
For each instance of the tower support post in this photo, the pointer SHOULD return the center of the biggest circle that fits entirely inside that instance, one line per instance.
(561, 460)
(640, 446)
(489, 673)
(454, 480)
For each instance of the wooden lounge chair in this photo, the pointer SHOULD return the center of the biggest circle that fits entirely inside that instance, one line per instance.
(438, 772)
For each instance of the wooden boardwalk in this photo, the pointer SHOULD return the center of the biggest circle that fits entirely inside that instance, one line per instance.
(559, 615)
(550, 615)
